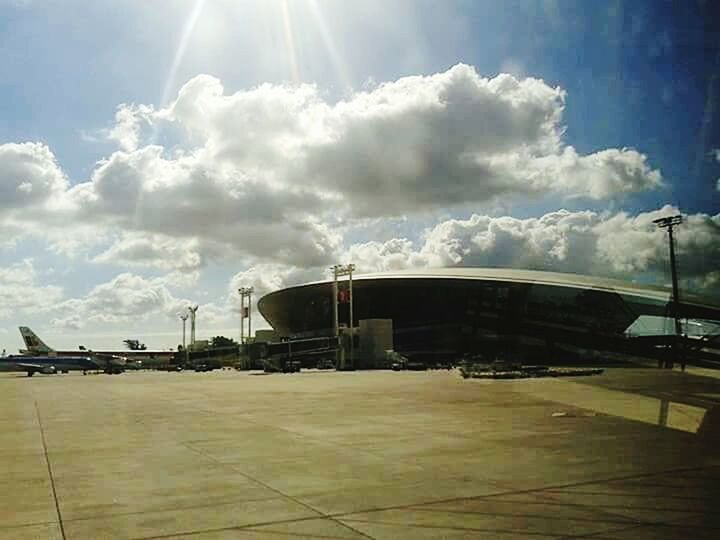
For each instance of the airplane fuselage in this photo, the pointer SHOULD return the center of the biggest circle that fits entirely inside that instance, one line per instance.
(121, 353)
(111, 361)
(48, 364)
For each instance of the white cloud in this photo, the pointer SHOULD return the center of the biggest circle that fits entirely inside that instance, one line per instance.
(617, 245)
(20, 292)
(29, 176)
(268, 172)
(125, 298)
(220, 209)
(137, 303)
(128, 122)
(602, 175)
(153, 250)
(266, 278)
(452, 138)
(601, 244)
(395, 254)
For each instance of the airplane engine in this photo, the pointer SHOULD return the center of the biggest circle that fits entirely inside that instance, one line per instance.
(49, 370)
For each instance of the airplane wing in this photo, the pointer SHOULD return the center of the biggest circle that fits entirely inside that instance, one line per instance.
(110, 358)
(32, 368)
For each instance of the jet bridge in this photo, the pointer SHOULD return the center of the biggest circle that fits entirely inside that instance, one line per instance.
(291, 354)
(699, 340)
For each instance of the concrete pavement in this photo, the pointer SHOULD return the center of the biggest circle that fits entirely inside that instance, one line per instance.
(356, 455)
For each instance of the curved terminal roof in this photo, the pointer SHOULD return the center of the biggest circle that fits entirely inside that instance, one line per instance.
(530, 276)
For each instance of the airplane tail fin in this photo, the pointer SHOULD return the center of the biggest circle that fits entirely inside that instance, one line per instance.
(33, 343)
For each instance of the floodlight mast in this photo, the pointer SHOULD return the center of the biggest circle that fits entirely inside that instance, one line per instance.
(344, 270)
(193, 314)
(245, 292)
(183, 318)
(242, 316)
(670, 223)
(336, 324)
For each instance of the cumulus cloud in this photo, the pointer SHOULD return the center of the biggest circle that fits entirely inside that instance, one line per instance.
(266, 173)
(143, 191)
(602, 175)
(127, 297)
(155, 250)
(394, 254)
(455, 137)
(613, 245)
(269, 277)
(407, 145)
(128, 123)
(618, 245)
(29, 176)
(20, 292)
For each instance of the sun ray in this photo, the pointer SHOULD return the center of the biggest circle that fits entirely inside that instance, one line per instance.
(339, 65)
(178, 58)
(290, 42)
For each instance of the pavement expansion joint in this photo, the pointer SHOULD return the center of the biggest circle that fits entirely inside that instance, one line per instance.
(181, 508)
(556, 487)
(50, 472)
(665, 496)
(599, 509)
(603, 534)
(24, 525)
(275, 490)
(249, 526)
(542, 515)
(445, 527)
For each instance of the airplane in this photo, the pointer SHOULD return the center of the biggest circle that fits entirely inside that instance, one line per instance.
(40, 358)
(36, 346)
(50, 365)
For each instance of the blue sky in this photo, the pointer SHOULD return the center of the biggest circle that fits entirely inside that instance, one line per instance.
(637, 75)
(647, 66)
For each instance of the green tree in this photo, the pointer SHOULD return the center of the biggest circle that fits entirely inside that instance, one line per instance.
(222, 341)
(134, 345)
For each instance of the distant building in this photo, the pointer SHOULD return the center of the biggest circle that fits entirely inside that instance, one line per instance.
(199, 345)
(265, 336)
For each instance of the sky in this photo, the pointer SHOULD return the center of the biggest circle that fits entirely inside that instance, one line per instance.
(159, 154)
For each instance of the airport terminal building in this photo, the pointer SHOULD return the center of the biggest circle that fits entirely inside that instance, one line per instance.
(449, 313)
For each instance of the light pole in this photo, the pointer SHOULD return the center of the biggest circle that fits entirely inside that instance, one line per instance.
(670, 223)
(336, 325)
(242, 316)
(344, 270)
(245, 292)
(184, 318)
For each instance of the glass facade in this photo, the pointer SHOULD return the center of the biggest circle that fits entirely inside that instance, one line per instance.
(446, 317)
